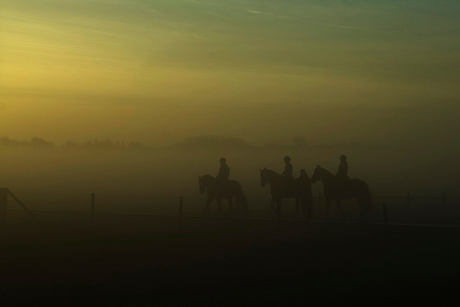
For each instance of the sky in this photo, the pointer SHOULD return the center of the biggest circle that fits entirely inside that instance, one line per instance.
(374, 72)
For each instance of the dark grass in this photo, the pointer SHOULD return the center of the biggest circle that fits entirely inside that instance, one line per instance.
(151, 261)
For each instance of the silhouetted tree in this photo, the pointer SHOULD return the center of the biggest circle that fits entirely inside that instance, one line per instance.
(6, 141)
(211, 142)
(40, 143)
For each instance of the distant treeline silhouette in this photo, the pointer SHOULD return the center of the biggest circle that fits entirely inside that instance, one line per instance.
(34, 142)
(204, 142)
(213, 142)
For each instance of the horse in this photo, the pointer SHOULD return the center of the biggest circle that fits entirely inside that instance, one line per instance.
(299, 188)
(352, 188)
(218, 189)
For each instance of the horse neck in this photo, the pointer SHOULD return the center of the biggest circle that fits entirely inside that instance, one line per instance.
(272, 176)
(207, 179)
(326, 176)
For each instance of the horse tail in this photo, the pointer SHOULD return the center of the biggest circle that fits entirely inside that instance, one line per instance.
(241, 201)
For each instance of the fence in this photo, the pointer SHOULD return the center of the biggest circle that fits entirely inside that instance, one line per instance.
(406, 209)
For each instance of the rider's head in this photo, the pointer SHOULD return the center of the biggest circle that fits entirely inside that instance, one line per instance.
(287, 159)
(343, 158)
(303, 172)
(222, 160)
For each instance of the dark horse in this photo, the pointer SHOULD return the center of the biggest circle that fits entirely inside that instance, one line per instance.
(300, 189)
(217, 190)
(353, 188)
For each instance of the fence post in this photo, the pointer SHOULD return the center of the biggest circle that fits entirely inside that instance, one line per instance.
(93, 208)
(181, 208)
(3, 204)
(408, 199)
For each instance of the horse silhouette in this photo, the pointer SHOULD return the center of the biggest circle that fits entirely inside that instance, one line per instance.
(300, 189)
(222, 189)
(352, 188)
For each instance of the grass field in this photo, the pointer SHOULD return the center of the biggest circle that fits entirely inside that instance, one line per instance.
(152, 261)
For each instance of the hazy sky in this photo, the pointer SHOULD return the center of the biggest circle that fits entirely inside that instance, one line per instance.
(157, 71)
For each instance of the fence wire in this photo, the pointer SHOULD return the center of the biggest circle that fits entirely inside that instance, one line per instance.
(400, 209)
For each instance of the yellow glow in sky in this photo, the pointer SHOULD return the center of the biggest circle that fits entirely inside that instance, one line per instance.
(130, 69)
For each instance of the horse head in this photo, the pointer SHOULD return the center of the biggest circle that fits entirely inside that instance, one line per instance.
(317, 174)
(268, 175)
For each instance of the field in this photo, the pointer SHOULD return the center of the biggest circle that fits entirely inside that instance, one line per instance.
(135, 260)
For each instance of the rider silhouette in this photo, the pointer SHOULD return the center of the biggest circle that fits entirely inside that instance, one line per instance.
(342, 173)
(303, 175)
(286, 176)
(224, 170)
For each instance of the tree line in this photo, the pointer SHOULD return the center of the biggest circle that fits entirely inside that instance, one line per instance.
(203, 142)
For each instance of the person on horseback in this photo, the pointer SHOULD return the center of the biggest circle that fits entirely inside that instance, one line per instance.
(286, 176)
(303, 175)
(224, 172)
(342, 174)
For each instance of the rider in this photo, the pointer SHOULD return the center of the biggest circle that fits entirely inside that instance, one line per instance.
(342, 173)
(286, 176)
(224, 170)
(303, 175)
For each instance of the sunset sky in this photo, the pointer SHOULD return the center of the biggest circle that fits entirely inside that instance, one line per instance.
(377, 72)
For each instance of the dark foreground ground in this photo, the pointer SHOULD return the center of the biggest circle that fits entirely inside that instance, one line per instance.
(151, 261)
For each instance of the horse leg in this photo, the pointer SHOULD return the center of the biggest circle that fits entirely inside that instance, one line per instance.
(278, 207)
(206, 209)
(306, 212)
(328, 202)
(272, 204)
(219, 205)
(230, 205)
(339, 205)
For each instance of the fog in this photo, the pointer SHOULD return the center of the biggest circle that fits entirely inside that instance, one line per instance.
(148, 180)
(377, 81)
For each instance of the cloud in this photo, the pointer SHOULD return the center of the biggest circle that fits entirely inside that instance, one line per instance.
(349, 27)
(323, 24)
(270, 14)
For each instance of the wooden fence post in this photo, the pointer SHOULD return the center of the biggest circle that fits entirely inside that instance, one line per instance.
(408, 199)
(3, 204)
(385, 216)
(181, 208)
(93, 208)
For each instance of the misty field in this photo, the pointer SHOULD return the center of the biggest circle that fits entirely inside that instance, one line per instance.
(137, 253)
(64, 179)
